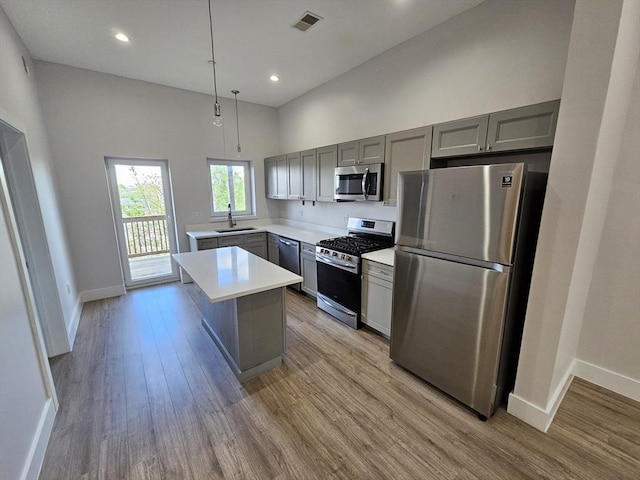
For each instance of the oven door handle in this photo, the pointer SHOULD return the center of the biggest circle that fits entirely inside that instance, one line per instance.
(365, 184)
(337, 307)
(338, 264)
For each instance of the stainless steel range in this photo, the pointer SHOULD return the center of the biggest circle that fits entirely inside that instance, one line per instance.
(338, 262)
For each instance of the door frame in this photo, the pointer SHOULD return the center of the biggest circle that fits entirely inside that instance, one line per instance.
(112, 181)
(21, 198)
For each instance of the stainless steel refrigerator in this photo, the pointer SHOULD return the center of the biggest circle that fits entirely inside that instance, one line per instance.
(465, 245)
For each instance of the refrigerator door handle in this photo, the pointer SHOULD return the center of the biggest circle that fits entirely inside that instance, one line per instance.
(498, 267)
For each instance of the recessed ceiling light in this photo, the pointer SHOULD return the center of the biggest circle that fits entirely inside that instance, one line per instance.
(122, 37)
(274, 78)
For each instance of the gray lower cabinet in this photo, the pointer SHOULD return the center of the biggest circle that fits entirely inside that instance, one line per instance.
(377, 296)
(273, 249)
(325, 173)
(255, 243)
(202, 243)
(529, 127)
(308, 269)
(404, 151)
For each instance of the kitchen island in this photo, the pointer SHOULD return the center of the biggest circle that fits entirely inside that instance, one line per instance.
(243, 306)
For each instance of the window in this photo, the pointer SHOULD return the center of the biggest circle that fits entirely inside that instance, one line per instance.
(231, 184)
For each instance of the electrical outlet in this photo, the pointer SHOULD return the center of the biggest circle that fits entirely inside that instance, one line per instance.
(68, 289)
(345, 218)
(301, 212)
(196, 215)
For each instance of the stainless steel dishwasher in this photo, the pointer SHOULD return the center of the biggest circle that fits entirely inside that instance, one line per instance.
(289, 252)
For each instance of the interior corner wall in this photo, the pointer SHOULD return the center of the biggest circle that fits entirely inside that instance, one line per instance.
(603, 55)
(26, 408)
(19, 97)
(499, 55)
(610, 336)
(91, 115)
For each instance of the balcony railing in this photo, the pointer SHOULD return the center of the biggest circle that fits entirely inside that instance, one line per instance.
(146, 235)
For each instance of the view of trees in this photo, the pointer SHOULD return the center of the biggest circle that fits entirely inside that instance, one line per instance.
(220, 187)
(143, 196)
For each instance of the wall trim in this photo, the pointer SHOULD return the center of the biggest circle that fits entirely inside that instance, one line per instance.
(38, 448)
(536, 416)
(627, 386)
(75, 321)
(100, 293)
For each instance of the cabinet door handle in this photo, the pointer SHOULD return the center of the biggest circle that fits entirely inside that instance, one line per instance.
(488, 148)
(479, 148)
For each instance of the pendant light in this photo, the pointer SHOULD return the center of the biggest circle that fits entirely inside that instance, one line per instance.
(217, 114)
(235, 93)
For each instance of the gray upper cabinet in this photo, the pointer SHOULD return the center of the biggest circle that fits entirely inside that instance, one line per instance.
(325, 173)
(309, 160)
(371, 150)
(460, 137)
(348, 154)
(271, 177)
(275, 175)
(294, 176)
(404, 151)
(361, 152)
(533, 126)
(527, 127)
(281, 172)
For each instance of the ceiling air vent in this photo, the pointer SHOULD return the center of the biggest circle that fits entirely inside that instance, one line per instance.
(307, 21)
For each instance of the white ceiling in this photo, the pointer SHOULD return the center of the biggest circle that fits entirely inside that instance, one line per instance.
(170, 42)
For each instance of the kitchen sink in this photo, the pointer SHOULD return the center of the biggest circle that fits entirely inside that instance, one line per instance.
(236, 230)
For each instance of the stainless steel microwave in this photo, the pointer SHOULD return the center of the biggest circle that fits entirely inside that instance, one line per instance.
(360, 182)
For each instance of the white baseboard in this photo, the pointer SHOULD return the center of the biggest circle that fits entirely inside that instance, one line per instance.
(100, 293)
(536, 416)
(75, 321)
(613, 381)
(40, 441)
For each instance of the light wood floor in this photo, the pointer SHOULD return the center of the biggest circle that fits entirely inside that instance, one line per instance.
(145, 394)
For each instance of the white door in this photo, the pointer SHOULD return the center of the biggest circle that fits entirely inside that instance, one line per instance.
(143, 214)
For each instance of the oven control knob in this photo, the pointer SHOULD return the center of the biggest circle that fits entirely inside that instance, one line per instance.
(348, 259)
(342, 256)
(335, 254)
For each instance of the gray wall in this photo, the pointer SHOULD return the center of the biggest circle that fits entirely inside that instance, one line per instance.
(92, 115)
(27, 410)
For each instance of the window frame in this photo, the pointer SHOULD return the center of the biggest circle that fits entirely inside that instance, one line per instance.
(249, 187)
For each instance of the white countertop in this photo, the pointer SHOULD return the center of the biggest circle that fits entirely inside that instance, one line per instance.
(300, 234)
(231, 272)
(386, 256)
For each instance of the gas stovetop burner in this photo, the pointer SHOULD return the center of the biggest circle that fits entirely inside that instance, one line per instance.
(353, 245)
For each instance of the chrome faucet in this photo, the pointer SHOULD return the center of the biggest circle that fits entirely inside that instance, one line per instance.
(230, 217)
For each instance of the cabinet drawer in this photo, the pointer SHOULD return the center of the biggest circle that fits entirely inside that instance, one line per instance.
(308, 248)
(254, 237)
(207, 243)
(230, 240)
(379, 270)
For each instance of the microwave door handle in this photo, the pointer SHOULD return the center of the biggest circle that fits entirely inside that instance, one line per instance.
(365, 184)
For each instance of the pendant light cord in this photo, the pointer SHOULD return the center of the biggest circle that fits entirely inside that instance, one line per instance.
(235, 93)
(213, 55)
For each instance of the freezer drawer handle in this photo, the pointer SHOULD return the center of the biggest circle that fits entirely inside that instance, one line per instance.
(337, 307)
